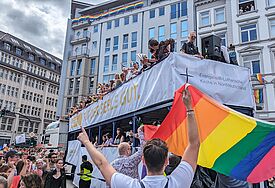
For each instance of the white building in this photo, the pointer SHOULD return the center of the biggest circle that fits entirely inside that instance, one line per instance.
(250, 26)
(98, 47)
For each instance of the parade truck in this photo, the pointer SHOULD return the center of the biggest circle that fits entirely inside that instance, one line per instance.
(147, 99)
(56, 135)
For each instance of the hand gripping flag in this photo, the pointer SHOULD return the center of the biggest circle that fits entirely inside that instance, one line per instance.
(233, 144)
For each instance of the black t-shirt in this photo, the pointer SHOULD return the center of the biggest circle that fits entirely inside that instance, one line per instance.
(190, 48)
(86, 165)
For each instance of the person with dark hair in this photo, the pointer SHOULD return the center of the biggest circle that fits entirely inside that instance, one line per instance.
(119, 137)
(155, 158)
(11, 157)
(189, 46)
(52, 160)
(55, 178)
(86, 169)
(31, 181)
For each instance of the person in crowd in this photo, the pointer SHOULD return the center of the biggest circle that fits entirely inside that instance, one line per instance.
(31, 181)
(155, 158)
(55, 178)
(153, 46)
(39, 167)
(123, 76)
(22, 169)
(52, 160)
(11, 157)
(126, 163)
(86, 169)
(233, 55)
(118, 81)
(130, 137)
(189, 46)
(119, 137)
(165, 47)
(3, 182)
(109, 140)
(5, 170)
(174, 161)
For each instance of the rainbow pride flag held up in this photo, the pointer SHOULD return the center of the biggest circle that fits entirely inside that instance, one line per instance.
(231, 143)
(260, 78)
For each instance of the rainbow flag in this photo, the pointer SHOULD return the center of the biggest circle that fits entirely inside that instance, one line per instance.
(260, 78)
(231, 143)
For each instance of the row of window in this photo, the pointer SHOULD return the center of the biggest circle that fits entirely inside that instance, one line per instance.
(31, 96)
(125, 41)
(29, 110)
(49, 114)
(6, 124)
(76, 67)
(74, 83)
(219, 17)
(36, 70)
(31, 56)
(31, 82)
(8, 105)
(14, 61)
(52, 102)
(8, 90)
(27, 127)
(12, 76)
(53, 89)
(126, 21)
(115, 61)
(71, 101)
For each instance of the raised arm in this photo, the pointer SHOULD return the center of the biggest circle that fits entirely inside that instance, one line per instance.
(98, 158)
(191, 153)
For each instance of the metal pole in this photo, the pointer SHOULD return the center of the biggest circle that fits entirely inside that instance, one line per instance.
(114, 130)
(99, 134)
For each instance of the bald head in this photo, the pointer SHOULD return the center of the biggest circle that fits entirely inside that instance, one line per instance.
(192, 36)
(124, 149)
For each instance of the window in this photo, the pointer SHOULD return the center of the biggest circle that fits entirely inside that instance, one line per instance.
(79, 65)
(133, 56)
(117, 22)
(134, 40)
(152, 13)
(173, 11)
(253, 63)
(126, 20)
(92, 68)
(205, 18)
(184, 29)
(161, 11)
(72, 68)
(53, 66)
(219, 15)
(114, 63)
(151, 33)
(173, 30)
(91, 85)
(76, 88)
(124, 59)
(178, 10)
(246, 6)
(272, 28)
(135, 18)
(31, 57)
(161, 33)
(94, 45)
(115, 47)
(42, 61)
(18, 51)
(184, 8)
(7, 46)
(107, 45)
(106, 64)
(95, 28)
(125, 41)
(109, 25)
(271, 3)
(248, 33)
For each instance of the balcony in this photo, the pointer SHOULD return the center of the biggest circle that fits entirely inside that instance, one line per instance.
(81, 38)
(81, 24)
(84, 52)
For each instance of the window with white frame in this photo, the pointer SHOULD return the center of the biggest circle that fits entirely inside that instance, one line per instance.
(152, 13)
(114, 63)
(272, 28)
(184, 29)
(124, 59)
(126, 20)
(249, 33)
(246, 6)
(134, 40)
(109, 25)
(117, 22)
(107, 45)
(151, 33)
(134, 56)
(106, 64)
(125, 41)
(219, 15)
(253, 63)
(92, 68)
(161, 33)
(271, 3)
(173, 30)
(205, 18)
(135, 18)
(115, 47)
(161, 11)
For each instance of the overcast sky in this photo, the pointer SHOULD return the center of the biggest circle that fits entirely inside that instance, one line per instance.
(40, 22)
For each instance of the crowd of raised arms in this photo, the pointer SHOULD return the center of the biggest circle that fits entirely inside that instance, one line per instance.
(32, 168)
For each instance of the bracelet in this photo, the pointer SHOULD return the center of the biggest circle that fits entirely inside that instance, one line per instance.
(189, 112)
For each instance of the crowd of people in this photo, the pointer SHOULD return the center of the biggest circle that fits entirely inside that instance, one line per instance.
(159, 51)
(32, 168)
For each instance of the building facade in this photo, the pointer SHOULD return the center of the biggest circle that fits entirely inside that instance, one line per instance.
(101, 39)
(29, 84)
(250, 26)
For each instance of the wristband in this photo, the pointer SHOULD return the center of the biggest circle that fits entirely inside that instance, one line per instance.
(189, 112)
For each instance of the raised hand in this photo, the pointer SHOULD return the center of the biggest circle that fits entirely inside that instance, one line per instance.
(186, 98)
(83, 136)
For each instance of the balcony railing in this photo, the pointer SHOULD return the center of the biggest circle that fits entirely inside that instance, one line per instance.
(83, 37)
(84, 52)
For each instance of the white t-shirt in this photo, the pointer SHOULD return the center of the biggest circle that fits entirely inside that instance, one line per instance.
(181, 177)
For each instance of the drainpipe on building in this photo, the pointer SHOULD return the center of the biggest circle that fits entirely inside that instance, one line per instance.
(195, 21)
(99, 53)
(142, 28)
